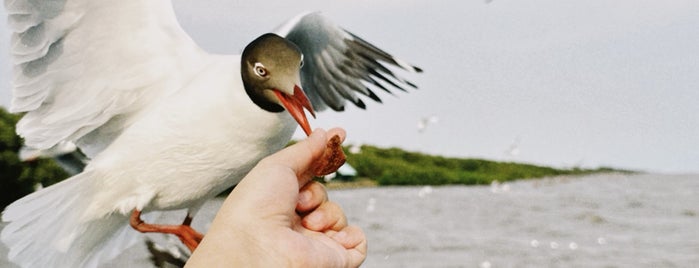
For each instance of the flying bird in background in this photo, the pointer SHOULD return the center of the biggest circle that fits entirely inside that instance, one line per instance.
(165, 124)
(426, 121)
(513, 150)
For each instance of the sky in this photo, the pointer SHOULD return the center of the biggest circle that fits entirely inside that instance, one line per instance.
(561, 83)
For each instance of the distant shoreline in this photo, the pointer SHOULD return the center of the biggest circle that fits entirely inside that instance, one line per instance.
(362, 183)
(354, 184)
(377, 166)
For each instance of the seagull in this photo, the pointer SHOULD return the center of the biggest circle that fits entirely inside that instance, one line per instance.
(165, 124)
(513, 150)
(425, 121)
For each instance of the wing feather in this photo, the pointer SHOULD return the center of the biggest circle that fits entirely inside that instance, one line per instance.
(80, 64)
(339, 64)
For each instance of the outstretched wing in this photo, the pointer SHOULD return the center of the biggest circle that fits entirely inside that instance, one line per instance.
(84, 69)
(338, 64)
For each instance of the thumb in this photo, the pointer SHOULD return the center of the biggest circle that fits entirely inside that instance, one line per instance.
(299, 157)
(302, 157)
(280, 172)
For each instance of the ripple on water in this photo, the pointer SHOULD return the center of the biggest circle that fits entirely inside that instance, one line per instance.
(593, 221)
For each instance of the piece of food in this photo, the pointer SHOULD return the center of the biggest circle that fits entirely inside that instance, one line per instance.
(333, 157)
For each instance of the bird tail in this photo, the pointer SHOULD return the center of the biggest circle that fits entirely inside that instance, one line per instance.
(48, 228)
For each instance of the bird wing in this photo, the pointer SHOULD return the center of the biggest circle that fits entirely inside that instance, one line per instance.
(91, 66)
(339, 64)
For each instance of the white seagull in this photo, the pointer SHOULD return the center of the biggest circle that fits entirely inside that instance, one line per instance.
(167, 125)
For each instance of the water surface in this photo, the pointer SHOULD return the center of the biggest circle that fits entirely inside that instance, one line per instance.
(609, 220)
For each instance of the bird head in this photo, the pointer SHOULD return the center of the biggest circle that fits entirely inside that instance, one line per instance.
(271, 73)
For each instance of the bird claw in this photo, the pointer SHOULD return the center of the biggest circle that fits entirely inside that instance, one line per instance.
(184, 232)
(189, 237)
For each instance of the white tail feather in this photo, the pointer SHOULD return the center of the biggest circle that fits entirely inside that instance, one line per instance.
(48, 229)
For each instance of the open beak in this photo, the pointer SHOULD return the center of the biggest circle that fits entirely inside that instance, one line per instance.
(294, 104)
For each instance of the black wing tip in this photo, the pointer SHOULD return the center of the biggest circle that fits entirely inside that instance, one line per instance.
(386, 79)
(414, 86)
(373, 96)
(359, 103)
(379, 85)
(339, 108)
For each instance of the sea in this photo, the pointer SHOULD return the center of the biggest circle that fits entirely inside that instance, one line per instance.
(602, 220)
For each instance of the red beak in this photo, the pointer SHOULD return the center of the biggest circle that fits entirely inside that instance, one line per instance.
(295, 104)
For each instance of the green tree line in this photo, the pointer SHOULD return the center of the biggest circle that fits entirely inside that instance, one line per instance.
(393, 166)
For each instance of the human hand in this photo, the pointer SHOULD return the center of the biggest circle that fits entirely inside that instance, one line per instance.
(278, 217)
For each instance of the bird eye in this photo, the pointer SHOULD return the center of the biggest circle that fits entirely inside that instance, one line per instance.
(301, 64)
(260, 70)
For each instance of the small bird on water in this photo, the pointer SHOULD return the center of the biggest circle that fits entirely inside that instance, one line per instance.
(165, 124)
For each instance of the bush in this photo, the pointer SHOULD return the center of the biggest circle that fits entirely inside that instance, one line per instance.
(394, 166)
(18, 178)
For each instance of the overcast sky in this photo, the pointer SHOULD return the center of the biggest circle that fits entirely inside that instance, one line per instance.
(568, 83)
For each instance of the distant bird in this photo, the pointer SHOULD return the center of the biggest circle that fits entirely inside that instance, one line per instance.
(426, 121)
(166, 125)
(513, 150)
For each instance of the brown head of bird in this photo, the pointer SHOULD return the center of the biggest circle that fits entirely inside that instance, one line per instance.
(271, 71)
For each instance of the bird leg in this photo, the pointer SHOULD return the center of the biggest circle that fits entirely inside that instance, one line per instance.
(187, 220)
(184, 232)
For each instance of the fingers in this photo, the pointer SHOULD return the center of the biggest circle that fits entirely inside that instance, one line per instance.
(328, 216)
(310, 197)
(322, 214)
(354, 240)
(350, 237)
